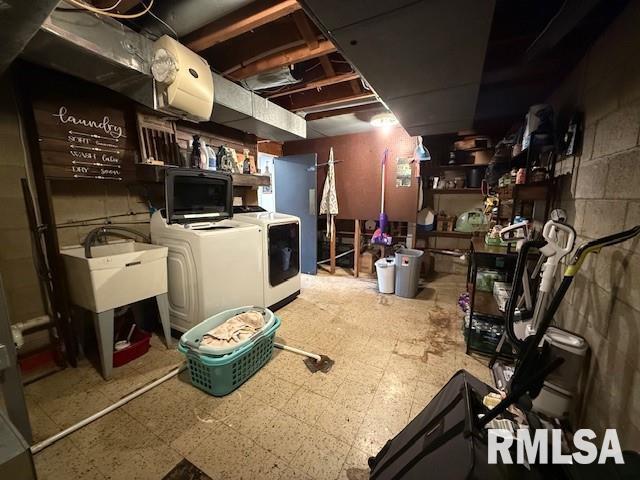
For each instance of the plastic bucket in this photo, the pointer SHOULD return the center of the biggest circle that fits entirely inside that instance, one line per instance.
(385, 268)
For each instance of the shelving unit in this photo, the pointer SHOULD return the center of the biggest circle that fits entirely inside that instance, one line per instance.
(436, 233)
(482, 305)
(456, 166)
(456, 191)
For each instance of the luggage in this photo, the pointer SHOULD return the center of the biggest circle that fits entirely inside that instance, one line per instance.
(443, 442)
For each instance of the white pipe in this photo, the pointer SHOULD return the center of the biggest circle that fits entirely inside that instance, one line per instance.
(18, 328)
(298, 351)
(51, 440)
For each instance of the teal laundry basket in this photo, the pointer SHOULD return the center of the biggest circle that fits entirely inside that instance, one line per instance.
(220, 375)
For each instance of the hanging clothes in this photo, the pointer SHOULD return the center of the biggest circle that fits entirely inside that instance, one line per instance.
(329, 202)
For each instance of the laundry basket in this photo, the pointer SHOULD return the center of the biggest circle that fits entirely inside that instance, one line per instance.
(220, 371)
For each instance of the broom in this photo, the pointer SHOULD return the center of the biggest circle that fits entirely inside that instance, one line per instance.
(380, 236)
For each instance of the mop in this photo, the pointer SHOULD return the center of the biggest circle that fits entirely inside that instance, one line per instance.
(380, 236)
(314, 362)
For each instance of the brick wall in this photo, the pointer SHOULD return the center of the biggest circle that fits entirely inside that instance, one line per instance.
(601, 193)
(21, 284)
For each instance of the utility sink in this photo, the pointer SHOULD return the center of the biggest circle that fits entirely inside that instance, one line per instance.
(119, 273)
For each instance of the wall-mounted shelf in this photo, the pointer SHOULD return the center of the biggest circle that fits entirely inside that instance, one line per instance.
(251, 180)
(436, 233)
(155, 173)
(456, 166)
(456, 191)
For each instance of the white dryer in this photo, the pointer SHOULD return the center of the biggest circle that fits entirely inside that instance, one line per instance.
(214, 263)
(281, 253)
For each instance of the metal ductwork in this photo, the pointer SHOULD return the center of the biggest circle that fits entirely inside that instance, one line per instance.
(105, 52)
(19, 22)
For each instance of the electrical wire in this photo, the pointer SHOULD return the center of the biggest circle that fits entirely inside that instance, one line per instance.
(101, 224)
(167, 26)
(79, 223)
(99, 11)
(112, 7)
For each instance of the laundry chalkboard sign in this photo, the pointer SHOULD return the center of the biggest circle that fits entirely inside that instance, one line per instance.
(85, 132)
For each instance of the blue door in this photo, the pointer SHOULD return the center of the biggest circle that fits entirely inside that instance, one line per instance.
(295, 187)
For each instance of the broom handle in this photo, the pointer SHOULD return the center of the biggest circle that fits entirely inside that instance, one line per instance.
(298, 351)
(382, 199)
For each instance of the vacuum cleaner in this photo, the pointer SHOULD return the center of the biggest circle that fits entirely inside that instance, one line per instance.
(448, 439)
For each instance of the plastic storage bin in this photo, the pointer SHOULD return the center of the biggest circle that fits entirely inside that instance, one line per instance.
(408, 263)
(385, 269)
(486, 278)
(138, 347)
(220, 371)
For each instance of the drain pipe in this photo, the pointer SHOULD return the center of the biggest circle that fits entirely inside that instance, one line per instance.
(51, 440)
(18, 329)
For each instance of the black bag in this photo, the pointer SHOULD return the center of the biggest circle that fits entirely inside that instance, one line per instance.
(443, 442)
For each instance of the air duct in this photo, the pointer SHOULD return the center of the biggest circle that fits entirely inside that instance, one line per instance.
(103, 51)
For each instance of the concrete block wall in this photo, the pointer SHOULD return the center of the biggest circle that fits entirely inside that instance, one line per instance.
(21, 284)
(600, 189)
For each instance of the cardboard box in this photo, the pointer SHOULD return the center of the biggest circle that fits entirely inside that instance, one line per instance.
(367, 262)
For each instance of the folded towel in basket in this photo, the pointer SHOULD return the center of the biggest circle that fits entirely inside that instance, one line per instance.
(235, 330)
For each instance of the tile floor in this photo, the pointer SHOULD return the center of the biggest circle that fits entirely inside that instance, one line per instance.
(391, 356)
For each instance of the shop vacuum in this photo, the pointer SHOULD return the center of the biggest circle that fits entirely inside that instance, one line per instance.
(449, 440)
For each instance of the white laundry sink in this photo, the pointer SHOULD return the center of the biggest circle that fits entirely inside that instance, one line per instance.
(119, 273)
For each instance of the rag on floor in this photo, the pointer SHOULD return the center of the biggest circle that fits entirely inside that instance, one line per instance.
(234, 331)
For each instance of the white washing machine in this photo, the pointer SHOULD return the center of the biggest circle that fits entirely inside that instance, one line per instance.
(214, 263)
(281, 253)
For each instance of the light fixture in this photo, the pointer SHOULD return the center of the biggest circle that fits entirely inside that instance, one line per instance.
(385, 119)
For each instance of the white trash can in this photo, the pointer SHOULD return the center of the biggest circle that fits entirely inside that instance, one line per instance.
(386, 270)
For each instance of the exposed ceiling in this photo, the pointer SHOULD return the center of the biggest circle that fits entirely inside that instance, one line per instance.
(424, 58)
(252, 42)
(441, 66)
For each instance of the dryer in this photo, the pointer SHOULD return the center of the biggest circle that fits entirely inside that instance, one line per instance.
(214, 262)
(281, 253)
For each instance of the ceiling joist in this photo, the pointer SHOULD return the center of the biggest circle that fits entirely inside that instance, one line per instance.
(370, 107)
(306, 30)
(315, 84)
(362, 97)
(281, 59)
(327, 66)
(241, 21)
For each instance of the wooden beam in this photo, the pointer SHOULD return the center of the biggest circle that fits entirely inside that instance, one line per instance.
(315, 84)
(305, 29)
(334, 101)
(373, 107)
(355, 86)
(327, 66)
(242, 50)
(277, 60)
(332, 246)
(236, 23)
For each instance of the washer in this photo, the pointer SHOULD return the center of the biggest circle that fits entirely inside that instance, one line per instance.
(281, 253)
(214, 263)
